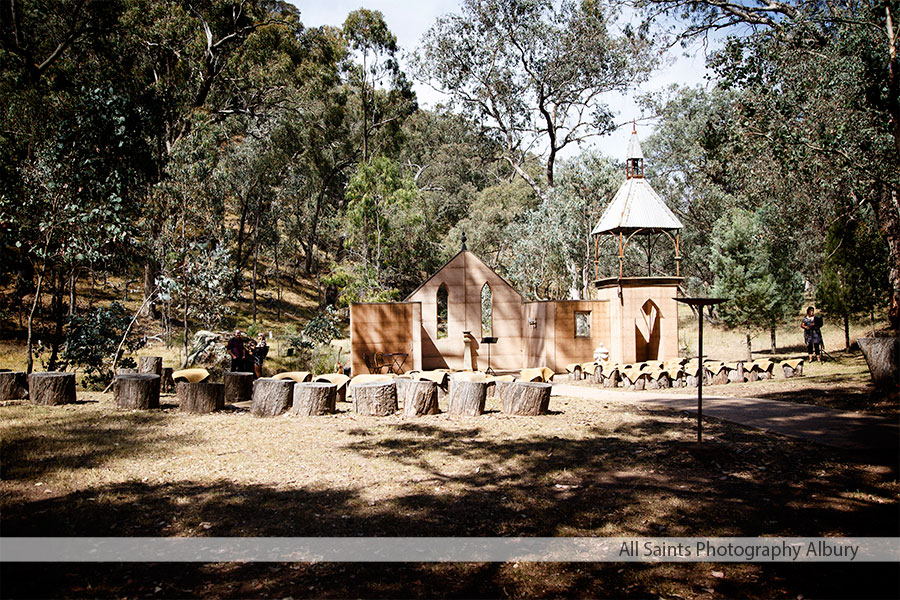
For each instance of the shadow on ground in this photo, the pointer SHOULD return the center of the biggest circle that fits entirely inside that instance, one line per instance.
(635, 481)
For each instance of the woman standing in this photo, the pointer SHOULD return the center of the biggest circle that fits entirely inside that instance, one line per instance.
(259, 354)
(812, 334)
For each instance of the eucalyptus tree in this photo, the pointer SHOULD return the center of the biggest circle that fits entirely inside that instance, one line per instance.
(383, 94)
(552, 249)
(823, 83)
(533, 72)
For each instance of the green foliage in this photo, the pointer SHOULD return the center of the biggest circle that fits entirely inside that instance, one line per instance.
(743, 274)
(550, 245)
(324, 327)
(93, 339)
(358, 282)
(854, 277)
(385, 227)
(531, 70)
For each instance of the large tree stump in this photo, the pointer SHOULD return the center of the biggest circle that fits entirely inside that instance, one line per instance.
(272, 397)
(314, 398)
(200, 398)
(51, 388)
(138, 391)
(238, 386)
(167, 384)
(126, 371)
(150, 364)
(13, 385)
(377, 399)
(883, 357)
(467, 398)
(526, 398)
(418, 397)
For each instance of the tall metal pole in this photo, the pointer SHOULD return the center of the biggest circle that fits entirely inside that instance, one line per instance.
(700, 382)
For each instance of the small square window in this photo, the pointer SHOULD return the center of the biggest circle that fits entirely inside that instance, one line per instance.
(583, 324)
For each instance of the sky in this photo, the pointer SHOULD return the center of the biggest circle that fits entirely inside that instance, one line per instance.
(409, 20)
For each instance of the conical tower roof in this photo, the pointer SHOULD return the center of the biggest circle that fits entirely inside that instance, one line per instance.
(636, 205)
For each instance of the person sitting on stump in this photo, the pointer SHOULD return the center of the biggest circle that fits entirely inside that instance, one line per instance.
(236, 351)
(259, 354)
(812, 334)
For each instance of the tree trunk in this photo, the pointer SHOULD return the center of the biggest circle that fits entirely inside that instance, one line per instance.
(13, 385)
(200, 398)
(883, 357)
(150, 364)
(271, 397)
(846, 331)
(238, 386)
(749, 348)
(151, 272)
(376, 399)
(314, 398)
(526, 398)
(56, 302)
(167, 384)
(467, 398)
(139, 391)
(51, 388)
(255, 264)
(772, 348)
(418, 397)
(73, 281)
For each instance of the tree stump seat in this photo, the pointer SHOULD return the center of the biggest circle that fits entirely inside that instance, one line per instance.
(238, 386)
(793, 368)
(338, 379)
(467, 398)
(376, 398)
(201, 397)
(51, 388)
(272, 397)
(137, 391)
(314, 398)
(13, 385)
(526, 398)
(418, 397)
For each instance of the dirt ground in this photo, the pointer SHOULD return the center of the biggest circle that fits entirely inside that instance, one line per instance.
(586, 469)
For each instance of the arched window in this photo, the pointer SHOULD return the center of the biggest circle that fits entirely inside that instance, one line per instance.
(442, 311)
(487, 311)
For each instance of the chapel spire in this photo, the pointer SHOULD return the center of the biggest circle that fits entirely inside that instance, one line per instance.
(634, 159)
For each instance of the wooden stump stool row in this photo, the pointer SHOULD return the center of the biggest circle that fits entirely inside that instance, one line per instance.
(200, 398)
(377, 399)
(138, 391)
(13, 385)
(51, 388)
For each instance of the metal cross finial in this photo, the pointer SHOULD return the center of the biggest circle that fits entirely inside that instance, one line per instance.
(463, 240)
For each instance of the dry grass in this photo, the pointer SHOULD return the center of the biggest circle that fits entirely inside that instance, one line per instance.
(729, 345)
(608, 469)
